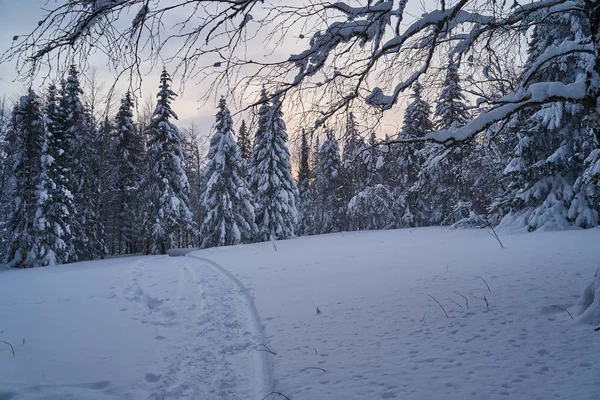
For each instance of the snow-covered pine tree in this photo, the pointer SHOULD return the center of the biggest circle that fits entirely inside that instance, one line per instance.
(169, 217)
(553, 141)
(128, 153)
(372, 208)
(446, 189)
(5, 176)
(374, 162)
(25, 153)
(271, 180)
(408, 205)
(55, 214)
(243, 140)
(353, 167)
(91, 151)
(305, 197)
(227, 201)
(329, 209)
(194, 164)
(260, 138)
(75, 125)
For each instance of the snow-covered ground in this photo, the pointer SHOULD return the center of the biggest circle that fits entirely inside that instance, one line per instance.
(194, 327)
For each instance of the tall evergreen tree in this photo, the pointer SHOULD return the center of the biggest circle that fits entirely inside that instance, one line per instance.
(553, 142)
(446, 189)
(75, 125)
(169, 217)
(55, 214)
(409, 205)
(25, 153)
(271, 178)
(228, 202)
(374, 162)
(328, 199)
(5, 176)
(91, 152)
(305, 195)
(244, 141)
(353, 167)
(128, 163)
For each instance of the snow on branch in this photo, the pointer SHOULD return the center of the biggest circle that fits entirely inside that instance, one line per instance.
(535, 94)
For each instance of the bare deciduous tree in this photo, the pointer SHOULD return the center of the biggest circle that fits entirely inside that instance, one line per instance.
(359, 52)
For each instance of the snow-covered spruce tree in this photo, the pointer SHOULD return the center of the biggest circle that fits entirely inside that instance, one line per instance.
(443, 179)
(55, 214)
(305, 193)
(25, 153)
(374, 162)
(194, 164)
(128, 153)
(329, 209)
(353, 167)
(553, 141)
(409, 206)
(271, 179)
(170, 219)
(243, 140)
(227, 201)
(585, 207)
(372, 208)
(5, 177)
(90, 163)
(260, 138)
(75, 124)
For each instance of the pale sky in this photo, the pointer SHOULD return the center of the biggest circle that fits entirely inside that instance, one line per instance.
(20, 17)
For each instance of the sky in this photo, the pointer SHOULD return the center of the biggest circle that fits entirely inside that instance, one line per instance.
(19, 17)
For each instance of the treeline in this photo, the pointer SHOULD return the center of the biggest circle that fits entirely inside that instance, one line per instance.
(75, 187)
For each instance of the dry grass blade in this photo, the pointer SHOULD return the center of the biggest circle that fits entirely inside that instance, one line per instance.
(264, 347)
(11, 347)
(439, 304)
(278, 394)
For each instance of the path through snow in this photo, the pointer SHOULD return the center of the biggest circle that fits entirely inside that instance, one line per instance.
(129, 328)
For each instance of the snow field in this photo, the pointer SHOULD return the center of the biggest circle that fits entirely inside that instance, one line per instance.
(380, 336)
(192, 327)
(126, 328)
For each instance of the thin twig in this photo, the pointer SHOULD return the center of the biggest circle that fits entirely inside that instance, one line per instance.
(424, 314)
(11, 347)
(320, 369)
(277, 393)
(264, 348)
(567, 311)
(464, 297)
(441, 306)
(491, 228)
(484, 281)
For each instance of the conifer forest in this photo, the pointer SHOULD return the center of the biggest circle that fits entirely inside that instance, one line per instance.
(496, 105)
